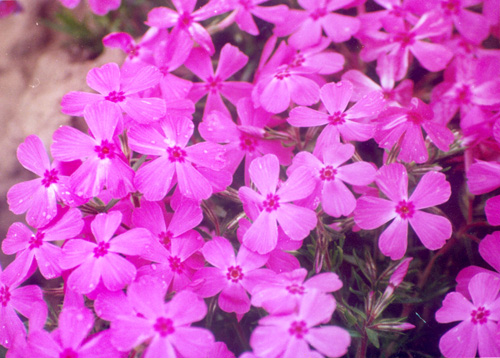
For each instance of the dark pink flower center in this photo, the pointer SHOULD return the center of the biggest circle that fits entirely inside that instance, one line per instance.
(271, 203)
(327, 173)
(281, 75)
(336, 118)
(450, 7)
(133, 51)
(234, 273)
(185, 20)
(50, 177)
(68, 353)
(4, 295)
(247, 143)
(298, 60)
(318, 13)
(175, 264)
(213, 85)
(404, 38)
(405, 209)
(36, 240)
(105, 150)
(464, 95)
(247, 4)
(176, 154)
(295, 289)
(101, 249)
(164, 326)
(163, 70)
(480, 315)
(397, 11)
(298, 329)
(415, 118)
(166, 239)
(115, 97)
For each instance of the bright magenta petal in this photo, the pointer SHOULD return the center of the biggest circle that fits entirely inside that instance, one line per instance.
(394, 240)
(432, 230)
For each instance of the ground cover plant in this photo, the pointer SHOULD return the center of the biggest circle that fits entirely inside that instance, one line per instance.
(267, 179)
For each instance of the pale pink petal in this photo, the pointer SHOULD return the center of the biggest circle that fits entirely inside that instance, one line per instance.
(245, 21)
(74, 325)
(162, 17)
(296, 221)
(275, 97)
(362, 85)
(487, 341)
(432, 230)
(340, 28)
(207, 154)
(413, 146)
(303, 91)
(121, 40)
(154, 179)
(392, 180)
(102, 119)
(147, 139)
(144, 110)
(455, 308)
(330, 340)
(351, 130)
(235, 91)
(219, 252)
(84, 278)
(473, 26)
(70, 144)
(299, 185)
(75, 252)
(269, 341)
(234, 298)
(209, 281)
(104, 79)
(307, 117)
(336, 96)
(359, 173)
(133, 242)
(143, 79)
(33, 156)
(264, 172)
(309, 307)
(484, 288)
(433, 57)
(73, 103)
(372, 212)
(263, 234)
(483, 177)
(20, 196)
(17, 239)
(432, 190)
(105, 225)
(394, 240)
(440, 135)
(191, 183)
(460, 342)
(324, 282)
(336, 199)
(231, 60)
(368, 106)
(117, 272)
(48, 257)
(490, 250)
(192, 342)
(130, 331)
(202, 37)
(307, 35)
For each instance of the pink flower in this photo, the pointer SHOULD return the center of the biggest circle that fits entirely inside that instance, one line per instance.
(289, 336)
(479, 318)
(39, 196)
(30, 246)
(349, 123)
(271, 205)
(104, 163)
(119, 90)
(372, 212)
(231, 60)
(330, 175)
(166, 326)
(482, 178)
(232, 276)
(246, 8)
(101, 260)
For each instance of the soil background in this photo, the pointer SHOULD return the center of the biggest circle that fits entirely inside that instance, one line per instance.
(38, 65)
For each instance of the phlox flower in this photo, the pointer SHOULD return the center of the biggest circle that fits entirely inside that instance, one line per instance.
(31, 246)
(104, 163)
(101, 260)
(232, 276)
(70, 340)
(168, 140)
(372, 212)
(482, 178)
(214, 84)
(166, 326)
(330, 175)
(285, 293)
(98, 7)
(271, 205)
(479, 318)
(244, 9)
(39, 196)
(289, 336)
(120, 90)
(348, 123)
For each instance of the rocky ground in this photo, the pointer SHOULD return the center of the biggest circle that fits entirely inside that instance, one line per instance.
(37, 67)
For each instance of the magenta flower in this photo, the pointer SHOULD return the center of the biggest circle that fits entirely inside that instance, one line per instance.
(30, 246)
(101, 260)
(166, 326)
(119, 90)
(246, 8)
(482, 178)
(479, 318)
(104, 165)
(330, 175)
(231, 60)
(39, 196)
(372, 212)
(285, 293)
(271, 205)
(349, 123)
(232, 276)
(167, 140)
(69, 340)
(290, 335)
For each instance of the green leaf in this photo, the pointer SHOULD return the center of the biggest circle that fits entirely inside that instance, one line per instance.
(373, 337)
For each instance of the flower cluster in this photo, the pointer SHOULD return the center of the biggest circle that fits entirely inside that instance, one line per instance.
(201, 195)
